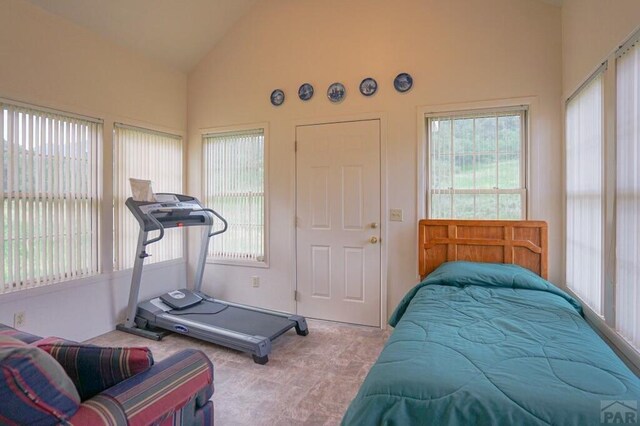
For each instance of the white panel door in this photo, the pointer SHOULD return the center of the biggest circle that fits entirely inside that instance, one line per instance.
(338, 221)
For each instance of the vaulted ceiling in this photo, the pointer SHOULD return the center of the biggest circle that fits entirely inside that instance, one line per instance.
(176, 32)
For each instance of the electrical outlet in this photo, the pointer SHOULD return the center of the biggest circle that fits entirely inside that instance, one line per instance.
(19, 319)
(255, 281)
(396, 215)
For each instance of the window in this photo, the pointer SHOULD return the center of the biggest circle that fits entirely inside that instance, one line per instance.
(234, 182)
(155, 156)
(584, 192)
(603, 197)
(476, 164)
(627, 267)
(49, 196)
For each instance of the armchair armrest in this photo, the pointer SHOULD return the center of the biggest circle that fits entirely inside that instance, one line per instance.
(23, 336)
(155, 395)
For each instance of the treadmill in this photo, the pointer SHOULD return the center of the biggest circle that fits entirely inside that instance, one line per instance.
(193, 313)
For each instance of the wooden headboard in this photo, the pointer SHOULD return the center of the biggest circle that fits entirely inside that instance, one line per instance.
(495, 241)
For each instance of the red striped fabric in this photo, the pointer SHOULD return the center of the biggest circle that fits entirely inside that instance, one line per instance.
(34, 388)
(94, 369)
(17, 334)
(160, 392)
(174, 391)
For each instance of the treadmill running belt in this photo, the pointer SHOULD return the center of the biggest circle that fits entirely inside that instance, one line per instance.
(253, 323)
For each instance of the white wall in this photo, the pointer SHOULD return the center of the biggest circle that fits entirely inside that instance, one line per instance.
(457, 51)
(50, 62)
(82, 309)
(591, 30)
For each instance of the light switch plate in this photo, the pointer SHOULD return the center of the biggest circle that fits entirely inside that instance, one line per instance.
(396, 215)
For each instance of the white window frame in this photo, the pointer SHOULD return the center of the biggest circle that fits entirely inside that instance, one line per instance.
(622, 287)
(583, 298)
(264, 126)
(94, 193)
(149, 130)
(471, 109)
(605, 324)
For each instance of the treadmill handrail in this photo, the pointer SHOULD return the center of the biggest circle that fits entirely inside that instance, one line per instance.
(156, 222)
(224, 221)
(160, 226)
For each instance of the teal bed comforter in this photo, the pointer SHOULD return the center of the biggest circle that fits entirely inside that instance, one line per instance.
(487, 344)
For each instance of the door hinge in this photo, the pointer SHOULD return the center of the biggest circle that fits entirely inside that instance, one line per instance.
(295, 146)
(295, 295)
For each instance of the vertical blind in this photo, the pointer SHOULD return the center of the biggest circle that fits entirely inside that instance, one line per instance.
(627, 290)
(584, 191)
(234, 187)
(49, 197)
(476, 165)
(144, 154)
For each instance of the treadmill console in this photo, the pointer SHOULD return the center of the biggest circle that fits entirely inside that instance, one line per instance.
(181, 299)
(171, 210)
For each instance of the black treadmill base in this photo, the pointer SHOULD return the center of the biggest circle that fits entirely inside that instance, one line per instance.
(155, 334)
(262, 360)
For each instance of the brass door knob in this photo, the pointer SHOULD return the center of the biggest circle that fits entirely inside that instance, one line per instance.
(373, 240)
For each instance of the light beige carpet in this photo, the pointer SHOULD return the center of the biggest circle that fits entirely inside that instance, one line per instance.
(308, 380)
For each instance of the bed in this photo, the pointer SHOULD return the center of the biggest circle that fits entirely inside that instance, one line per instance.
(484, 339)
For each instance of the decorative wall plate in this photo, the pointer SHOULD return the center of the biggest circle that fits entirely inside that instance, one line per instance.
(336, 92)
(277, 97)
(368, 86)
(305, 92)
(403, 82)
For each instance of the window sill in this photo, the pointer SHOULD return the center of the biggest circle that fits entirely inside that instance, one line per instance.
(242, 263)
(159, 265)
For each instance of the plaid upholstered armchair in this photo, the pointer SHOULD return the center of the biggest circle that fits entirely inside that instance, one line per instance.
(52, 381)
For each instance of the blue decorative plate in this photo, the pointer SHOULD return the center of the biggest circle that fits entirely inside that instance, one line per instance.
(368, 86)
(336, 92)
(403, 82)
(277, 97)
(305, 92)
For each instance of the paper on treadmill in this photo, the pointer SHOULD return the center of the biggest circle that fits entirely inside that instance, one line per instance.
(166, 198)
(141, 190)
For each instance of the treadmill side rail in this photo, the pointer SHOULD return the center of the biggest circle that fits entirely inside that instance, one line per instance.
(259, 346)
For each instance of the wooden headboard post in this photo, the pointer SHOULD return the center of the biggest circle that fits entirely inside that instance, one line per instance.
(523, 243)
